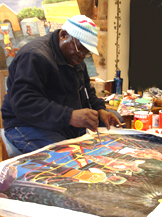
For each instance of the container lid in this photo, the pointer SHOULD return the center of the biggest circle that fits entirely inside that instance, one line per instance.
(142, 101)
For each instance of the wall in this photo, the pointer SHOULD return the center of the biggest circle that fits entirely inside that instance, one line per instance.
(124, 41)
(100, 20)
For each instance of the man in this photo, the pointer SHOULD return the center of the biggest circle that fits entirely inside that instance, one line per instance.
(46, 100)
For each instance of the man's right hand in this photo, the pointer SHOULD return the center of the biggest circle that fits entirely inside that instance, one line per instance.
(87, 118)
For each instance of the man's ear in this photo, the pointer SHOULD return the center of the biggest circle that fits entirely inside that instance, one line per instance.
(63, 34)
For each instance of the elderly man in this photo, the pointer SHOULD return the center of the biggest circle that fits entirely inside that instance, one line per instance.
(46, 100)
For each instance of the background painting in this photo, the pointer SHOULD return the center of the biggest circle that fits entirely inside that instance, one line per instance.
(22, 21)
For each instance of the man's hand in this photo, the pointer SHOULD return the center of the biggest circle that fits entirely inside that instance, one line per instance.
(108, 118)
(87, 118)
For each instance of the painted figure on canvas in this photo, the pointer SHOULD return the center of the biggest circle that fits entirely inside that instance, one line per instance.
(47, 26)
(5, 33)
(28, 30)
(11, 52)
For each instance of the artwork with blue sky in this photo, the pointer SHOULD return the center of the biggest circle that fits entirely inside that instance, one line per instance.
(18, 5)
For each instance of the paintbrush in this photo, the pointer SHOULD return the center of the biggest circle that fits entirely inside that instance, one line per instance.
(91, 108)
(122, 124)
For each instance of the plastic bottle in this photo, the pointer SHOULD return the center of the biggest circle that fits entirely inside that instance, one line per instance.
(118, 81)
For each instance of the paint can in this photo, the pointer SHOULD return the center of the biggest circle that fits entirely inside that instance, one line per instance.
(160, 118)
(150, 120)
(155, 120)
(141, 120)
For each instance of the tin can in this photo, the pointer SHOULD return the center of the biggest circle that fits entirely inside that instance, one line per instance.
(150, 120)
(141, 120)
(155, 120)
(160, 118)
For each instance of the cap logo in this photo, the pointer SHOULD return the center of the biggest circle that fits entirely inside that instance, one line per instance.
(85, 21)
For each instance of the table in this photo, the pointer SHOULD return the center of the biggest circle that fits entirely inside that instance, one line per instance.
(128, 118)
(156, 109)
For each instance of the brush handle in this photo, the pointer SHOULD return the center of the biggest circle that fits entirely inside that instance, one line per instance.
(87, 98)
(91, 108)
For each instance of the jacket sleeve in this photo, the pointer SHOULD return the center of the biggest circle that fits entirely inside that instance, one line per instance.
(28, 97)
(97, 103)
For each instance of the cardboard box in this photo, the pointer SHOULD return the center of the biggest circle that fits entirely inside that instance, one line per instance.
(101, 85)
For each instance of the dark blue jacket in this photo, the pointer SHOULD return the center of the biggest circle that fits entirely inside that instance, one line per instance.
(43, 89)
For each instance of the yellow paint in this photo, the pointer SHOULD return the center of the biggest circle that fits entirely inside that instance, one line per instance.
(160, 200)
(4, 24)
(138, 125)
(59, 12)
(116, 103)
(111, 102)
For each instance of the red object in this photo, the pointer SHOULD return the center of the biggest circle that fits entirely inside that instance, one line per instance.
(160, 119)
(150, 120)
(141, 120)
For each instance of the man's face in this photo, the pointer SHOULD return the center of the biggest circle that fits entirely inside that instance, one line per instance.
(72, 50)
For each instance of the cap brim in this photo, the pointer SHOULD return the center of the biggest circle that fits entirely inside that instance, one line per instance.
(90, 48)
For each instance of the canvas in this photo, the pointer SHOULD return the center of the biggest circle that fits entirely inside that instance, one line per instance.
(121, 176)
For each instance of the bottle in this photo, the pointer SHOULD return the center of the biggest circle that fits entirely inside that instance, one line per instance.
(118, 82)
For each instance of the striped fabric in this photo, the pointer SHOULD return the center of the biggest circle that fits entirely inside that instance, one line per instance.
(84, 29)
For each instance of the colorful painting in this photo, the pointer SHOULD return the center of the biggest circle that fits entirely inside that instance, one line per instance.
(121, 176)
(16, 31)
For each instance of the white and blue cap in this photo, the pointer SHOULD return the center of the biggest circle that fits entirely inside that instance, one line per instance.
(84, 29)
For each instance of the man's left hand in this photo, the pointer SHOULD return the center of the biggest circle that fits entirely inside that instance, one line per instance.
(108, 118)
